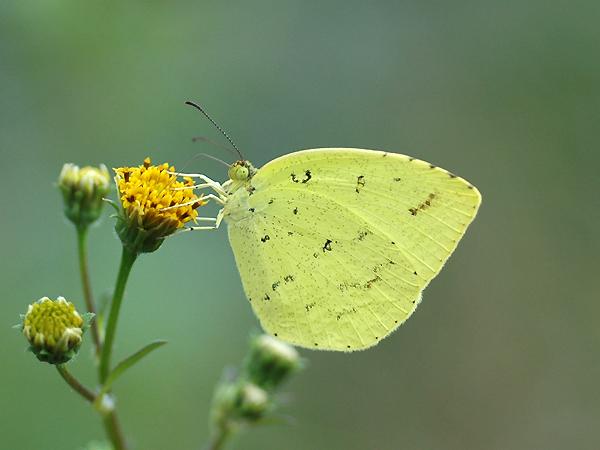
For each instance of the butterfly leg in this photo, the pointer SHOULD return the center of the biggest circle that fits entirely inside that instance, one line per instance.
(183, 230)
(193, 186)
(220, 200)
(208, 182)
(217, 222)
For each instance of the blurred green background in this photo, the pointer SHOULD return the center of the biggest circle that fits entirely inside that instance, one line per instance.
(503, 352)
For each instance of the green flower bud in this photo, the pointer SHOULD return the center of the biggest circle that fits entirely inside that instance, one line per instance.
(237, 404)
(271, 362)
(251, 403)
(54, 329)
(83, 190)
(154, 205)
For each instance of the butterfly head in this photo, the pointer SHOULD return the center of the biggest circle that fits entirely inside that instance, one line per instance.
(241, 171)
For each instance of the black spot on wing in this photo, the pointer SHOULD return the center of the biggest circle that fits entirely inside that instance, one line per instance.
(275, 285)
(370, 282)
(309, 306)
(307, 176)
(397, 179)
(360, 183)
(265, 238)
(422, 206)
(288, 278)
(295, 211)
(327, 245)
(362, 235)
(294, 178)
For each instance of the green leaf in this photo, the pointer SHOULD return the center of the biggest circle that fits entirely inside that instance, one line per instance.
(128, 362)
(112, 203)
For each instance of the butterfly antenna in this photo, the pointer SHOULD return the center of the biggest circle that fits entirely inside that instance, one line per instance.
(199, 108)
(214, 144)
(214, 158)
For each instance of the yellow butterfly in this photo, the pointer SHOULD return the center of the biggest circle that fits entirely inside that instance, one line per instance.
(335, 245)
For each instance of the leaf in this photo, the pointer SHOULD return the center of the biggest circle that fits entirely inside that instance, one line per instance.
(87, 320)
(128, 362)
(112, 203)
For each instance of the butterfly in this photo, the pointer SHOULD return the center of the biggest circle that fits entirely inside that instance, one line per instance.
(335, 245)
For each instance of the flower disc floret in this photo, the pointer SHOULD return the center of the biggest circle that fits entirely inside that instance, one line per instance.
(54, 329)
(149, 197)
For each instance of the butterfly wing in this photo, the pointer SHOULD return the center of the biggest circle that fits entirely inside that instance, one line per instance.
(334, 246)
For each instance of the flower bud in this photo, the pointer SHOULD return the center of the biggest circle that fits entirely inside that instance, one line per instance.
(54, 329)
(154, 204)
(251, 403)
(83, 190)
(271, 362)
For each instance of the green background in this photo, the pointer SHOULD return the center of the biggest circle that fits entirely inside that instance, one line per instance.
(503, 352)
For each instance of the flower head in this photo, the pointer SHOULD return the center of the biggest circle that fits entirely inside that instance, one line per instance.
(83, 190)
(54, 329)
(251, 402)
(154, 204)
(271, 361)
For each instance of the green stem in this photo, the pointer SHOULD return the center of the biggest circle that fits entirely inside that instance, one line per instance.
(218, 440)
(85, 282)
(127, 259)
(113, 431)
(75, 384)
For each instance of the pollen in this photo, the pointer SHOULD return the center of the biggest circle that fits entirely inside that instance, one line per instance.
(150, 194)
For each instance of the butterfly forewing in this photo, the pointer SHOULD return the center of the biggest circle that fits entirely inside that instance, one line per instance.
(336, 245)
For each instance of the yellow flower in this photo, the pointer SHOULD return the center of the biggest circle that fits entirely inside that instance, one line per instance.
(54, 329)
(154, 204)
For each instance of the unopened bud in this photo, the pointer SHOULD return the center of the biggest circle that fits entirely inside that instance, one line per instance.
(54, 329)
(271, 362)
(83, 190)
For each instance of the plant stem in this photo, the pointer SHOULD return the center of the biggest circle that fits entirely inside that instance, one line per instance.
(127, 259)
(217, 441)
(82, 233)
(113, 430)
(75, 384)
(111, 423)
